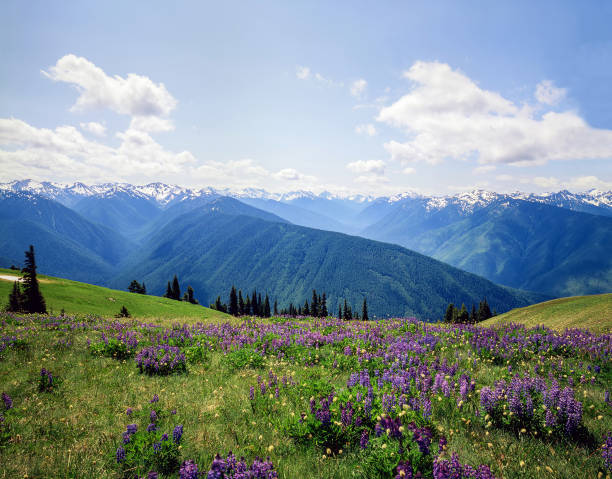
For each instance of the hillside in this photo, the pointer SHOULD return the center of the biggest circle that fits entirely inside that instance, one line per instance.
(592, 312)
(83, 298)
(521, 244)
(212, 251)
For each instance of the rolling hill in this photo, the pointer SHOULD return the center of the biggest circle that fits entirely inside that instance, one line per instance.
(591, 312)
(82, 298)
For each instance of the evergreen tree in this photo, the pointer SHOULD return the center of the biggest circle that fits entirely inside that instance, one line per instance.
(254, 305)
(266, 308)
(219, 306)
(340, 311)
(134, 287)
(314, 306)
(189, 296)
(464, 316)
(364, 310)
(260, 306)
(299, 311)
(346, 311)
(176, 289)
(168, 291)
(15, 299)
(247, 307)
(449, 316)
(240, 303)
(123, 313)
(484, 311)
(306, 309)
(275, 308)
(33, 301)
(473, 314)
(349, 314)
(233, 302)
(143, 289)
(324, 312)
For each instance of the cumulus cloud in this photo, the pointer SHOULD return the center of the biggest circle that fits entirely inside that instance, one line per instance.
(446, 115)
(366, 129)
(376, 167)
(358, 87)
(479, 170)
(302, 72)
(134, 95)
(151, 124)
(291, 174)
(94, 127)
(547, 93)
(409, 170)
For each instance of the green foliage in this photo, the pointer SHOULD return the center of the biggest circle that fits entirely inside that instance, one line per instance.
(244, 358)
(196, 354)
(123, 313)
(112, 348)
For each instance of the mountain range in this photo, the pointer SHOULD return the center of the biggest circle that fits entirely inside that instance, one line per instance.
(555, 244)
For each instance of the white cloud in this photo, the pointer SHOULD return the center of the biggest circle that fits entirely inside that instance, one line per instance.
(505, 178)
(448, 116)
(372, 180)
(302, 72)
(409, 170)
(479, 170)
(134, 95)
(94, 127)
(358, 87)
(578, 183)
(376, 167)
(291, 174)
(151, 124)
(547, 93)
(366, 129)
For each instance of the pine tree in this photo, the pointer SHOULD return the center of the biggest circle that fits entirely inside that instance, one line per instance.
(314, 306)
(143, 289)
(33, 299)
(275, 308)
(464, 316)
(189, 296)
(240, 303)
(254, 304)
(176, 289)
(364, 311)
(233, 302)
(339, 311)
(247, 307)
(449, 316)
(260, 306)
(266, 308)
(168, 291)
(324, 312)
(473, 314)
(484, 311)
(306, 309)
(123, 313)
(15, 299)
(134, 287)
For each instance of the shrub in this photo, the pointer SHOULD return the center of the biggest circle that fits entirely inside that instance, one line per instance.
(122, 346)
(244, 358)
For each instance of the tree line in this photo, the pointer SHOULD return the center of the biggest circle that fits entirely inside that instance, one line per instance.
(462, 315)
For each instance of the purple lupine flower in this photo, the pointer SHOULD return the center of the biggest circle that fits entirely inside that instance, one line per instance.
(188, 470)
(177, 434)
(8, 402)
(120, 454)
(156, 447)
(442, 444)
(132, 428)
(164, 437)
(151, 427)
(152, 475)
(153, 416)
(217, 468)
(404, 470)
(154, 399)
(365, 438)
(128, 411)
(606, 452)
(252, 393)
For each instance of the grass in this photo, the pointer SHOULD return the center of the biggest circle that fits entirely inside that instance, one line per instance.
(591, 312)
(74, 431)
(82, 298)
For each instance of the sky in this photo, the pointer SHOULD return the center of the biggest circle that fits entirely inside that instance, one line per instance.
(345, 96)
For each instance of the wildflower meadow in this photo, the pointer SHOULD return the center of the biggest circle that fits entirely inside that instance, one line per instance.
(300, 398)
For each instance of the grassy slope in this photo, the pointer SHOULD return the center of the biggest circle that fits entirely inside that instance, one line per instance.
(85, 298)
(592, 312)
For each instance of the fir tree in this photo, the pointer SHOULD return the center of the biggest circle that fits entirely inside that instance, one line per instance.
(484, 311)
(449, 316)
(473, 314)
(254, 305)
(189, 296)
(364, 311)
(314, 306)
(464, 316)
(33, 301)
(168, 291)
(260, 306)
(15, 299)
(123, 313)
(176, 289)
(143, 289)
(339, 311)
(266, 308)
(233, 302)
(324, 312)
(240, 303)
(346, 311)
(275, 308)
(306, 309)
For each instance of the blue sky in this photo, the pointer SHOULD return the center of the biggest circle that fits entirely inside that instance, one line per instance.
(372, 97)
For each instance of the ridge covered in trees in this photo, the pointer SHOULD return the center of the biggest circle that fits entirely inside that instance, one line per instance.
(462, 315)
